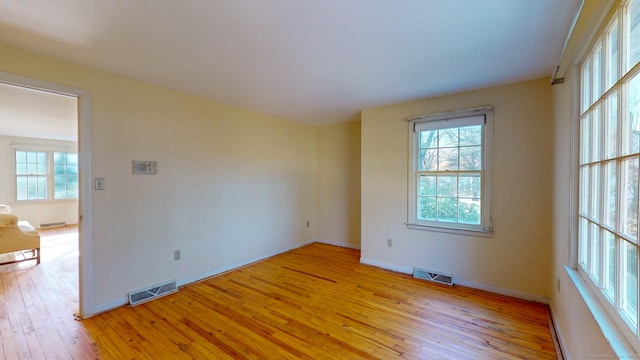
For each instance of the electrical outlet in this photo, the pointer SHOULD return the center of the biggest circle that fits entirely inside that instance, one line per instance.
(307, 223)
(176, 255)
(389, 242)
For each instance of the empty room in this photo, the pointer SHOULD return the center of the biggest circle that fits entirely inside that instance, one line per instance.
(349, 179)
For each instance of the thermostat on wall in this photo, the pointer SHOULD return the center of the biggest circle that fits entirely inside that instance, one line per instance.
(144, 167)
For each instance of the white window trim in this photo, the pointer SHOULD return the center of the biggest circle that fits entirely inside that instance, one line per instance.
(49, 149)
(486, 229)
(623, 342)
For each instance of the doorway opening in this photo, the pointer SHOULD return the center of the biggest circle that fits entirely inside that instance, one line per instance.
(57, 198)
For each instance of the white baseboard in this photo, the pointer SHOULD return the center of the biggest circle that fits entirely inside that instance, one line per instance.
(338, 243)
(559, 336)
(502, 291)
(380, 264)
(185, 281)
(98, 309)
(462, 282)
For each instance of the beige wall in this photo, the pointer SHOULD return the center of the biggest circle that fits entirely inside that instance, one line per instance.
(517, 258)
(35, 212)
(338, 182)
(581, 336)
(232, 185)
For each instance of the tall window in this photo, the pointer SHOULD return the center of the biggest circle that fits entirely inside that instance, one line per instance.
(449, 173)
(33, 170)
(31, 175)
(608, 164)
(65, 178)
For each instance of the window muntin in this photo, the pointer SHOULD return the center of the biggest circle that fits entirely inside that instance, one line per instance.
(42, 175)
(31, 175)
(448, 173)
(609, 165)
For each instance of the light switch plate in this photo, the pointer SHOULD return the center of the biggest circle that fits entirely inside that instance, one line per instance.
(98, 183)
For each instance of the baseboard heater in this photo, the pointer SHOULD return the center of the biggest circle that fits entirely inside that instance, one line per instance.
(152, 292)
(433, 276)
(53, 224)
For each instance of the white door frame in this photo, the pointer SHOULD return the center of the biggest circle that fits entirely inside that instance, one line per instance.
(85, 270)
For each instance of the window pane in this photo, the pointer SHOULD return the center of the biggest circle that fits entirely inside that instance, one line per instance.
(584, 190)
(633, 47)
(629, 284)
(471, 135)
(42, 157)
(609, 266)
(612, 55)
(469, 211)
(585, 139)
(594, 247)
(448, 138)
(31, 157)
(611, 127)
(447, 186)
(428, 139)
(629, 217)
(426, 185)
(427, 208)
(597, 73)
(471, 158)
(586, 85)
(596, 135)
(21, 169)
(60, 192)
(594, 212)
(72, 158)
(469, 186)
(448, 159)
(583, 242)
(21, 156)
(428, 160)
(448, 209)
(610, 191)
(630, 126)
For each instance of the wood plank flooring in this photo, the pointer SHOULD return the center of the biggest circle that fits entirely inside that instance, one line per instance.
(315, 302)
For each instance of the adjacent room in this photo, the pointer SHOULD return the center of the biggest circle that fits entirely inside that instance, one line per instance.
(320, 179)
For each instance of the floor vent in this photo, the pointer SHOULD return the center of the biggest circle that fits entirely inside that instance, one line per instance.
(153, 292)
(433, 276)
(53, 224)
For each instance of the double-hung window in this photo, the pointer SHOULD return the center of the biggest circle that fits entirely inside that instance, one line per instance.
(609, 156)
(45, 174)
(31, 175)
(449, 172)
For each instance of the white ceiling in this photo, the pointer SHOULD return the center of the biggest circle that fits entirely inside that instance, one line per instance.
(314, 61)
(37, 114)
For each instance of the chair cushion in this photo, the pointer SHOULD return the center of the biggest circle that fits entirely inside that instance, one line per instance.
(8, 220)
(5, 209)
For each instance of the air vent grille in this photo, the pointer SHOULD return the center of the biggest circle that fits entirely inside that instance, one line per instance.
(53, 224)
(433, 276)
(153, 292)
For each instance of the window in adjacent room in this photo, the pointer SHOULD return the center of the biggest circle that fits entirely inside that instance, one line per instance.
(45, 174)
(609, 157)
(449, 172)
(65, 175)
(31, 175)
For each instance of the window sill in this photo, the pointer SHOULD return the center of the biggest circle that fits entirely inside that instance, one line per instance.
(467, 232)
(612, 334)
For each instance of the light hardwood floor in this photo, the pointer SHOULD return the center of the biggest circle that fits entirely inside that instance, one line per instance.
(315, 302)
